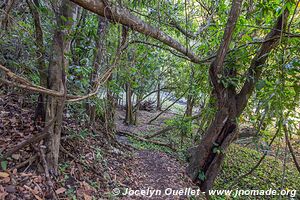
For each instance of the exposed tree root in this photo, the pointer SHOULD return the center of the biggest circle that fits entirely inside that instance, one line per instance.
(28, 161)
(46, 169)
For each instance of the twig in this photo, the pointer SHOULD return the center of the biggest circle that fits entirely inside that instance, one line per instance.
(28, 161)
(151, 120)
(257, 164)
(32, 140)
(80, 162)
(290, 147)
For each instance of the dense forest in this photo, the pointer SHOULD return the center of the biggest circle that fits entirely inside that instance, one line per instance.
(149, 99)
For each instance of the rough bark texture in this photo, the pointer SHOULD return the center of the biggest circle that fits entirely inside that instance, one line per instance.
(230, 105)
(129, 112)
(99, 62)
(55, 105)
(57, 82)
(6, 19)
(123, 16)
(40, 111)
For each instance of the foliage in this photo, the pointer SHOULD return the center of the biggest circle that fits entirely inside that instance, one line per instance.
(239, 160)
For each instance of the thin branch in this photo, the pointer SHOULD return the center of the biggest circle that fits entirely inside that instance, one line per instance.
(145, 140)
(160, 47)
(31, 140)
(257, 164)
(166, 109)
(123, 16)
(290, 147)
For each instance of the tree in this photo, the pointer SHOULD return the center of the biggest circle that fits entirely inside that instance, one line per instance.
(99, 62)
(57, 79)
(230, 104)
(40, 54)
(205, 158)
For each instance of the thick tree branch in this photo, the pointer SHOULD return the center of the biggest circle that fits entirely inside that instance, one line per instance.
(123, 16)
(158, 46)
(256, 67)
(216, 66)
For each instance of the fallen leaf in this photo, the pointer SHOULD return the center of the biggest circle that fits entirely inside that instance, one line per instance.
(3, 195)
(6, 180)
(15, 156)
(60, 190)
(37, 197)
(4, 174)
(87, 197)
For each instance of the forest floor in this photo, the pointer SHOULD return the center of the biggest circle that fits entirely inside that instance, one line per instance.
(153, 169)
(89, 168)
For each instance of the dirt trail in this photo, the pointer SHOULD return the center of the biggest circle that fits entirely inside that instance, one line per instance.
(158, 171)
(151, 168)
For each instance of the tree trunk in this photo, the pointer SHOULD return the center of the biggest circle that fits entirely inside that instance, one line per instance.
(110, 111)
(6, 19)
(189, 106)
(40, 111)
(137, 107)
(57, 82)
(207, 157)
(158, 101)
(129, 113)
(55, 105)
(99, 62)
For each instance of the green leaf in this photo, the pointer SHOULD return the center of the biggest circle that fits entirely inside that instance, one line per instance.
(4, 165)
(260, 84)
(201, 176)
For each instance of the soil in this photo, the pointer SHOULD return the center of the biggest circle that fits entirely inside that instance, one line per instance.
(94, 168)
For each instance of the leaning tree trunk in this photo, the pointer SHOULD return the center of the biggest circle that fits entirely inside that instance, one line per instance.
(207, 157)
(57, 82)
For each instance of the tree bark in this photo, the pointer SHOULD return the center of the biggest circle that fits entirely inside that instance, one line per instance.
(57, 82)
(158, 101)
(99, 62)
(121, 15)
(40, 111)
(207, 157)
(189, 106)
(8, 7)
(129, 112)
